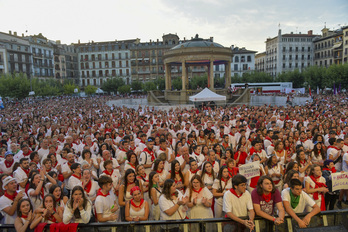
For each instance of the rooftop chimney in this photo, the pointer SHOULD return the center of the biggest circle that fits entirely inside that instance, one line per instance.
(22, 34)
(10, 32)
(15, 33)
(310, 32)
(58, 42)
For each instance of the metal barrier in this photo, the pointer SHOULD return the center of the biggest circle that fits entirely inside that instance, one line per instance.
(324, 219)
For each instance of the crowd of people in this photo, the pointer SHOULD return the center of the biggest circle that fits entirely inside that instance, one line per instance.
(78, 160)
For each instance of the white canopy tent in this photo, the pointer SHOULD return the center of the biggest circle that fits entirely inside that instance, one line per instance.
(207, 95)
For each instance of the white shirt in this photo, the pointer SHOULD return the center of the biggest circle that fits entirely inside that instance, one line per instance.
(103, 204)
(166, 204)
(72, 182)
(68, 215)
(344, 163)
(305, 200)
(43, 153)
(237, 206)
(4, 203)
(4, 169)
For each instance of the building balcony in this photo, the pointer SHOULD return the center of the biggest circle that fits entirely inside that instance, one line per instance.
(37, 55)
(144, 72)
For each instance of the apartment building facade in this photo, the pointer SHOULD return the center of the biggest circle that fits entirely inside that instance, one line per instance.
(287, 52)
(99, 61)
(15, 54)
(331, 47)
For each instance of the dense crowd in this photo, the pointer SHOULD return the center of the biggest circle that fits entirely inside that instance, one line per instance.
(78, 160)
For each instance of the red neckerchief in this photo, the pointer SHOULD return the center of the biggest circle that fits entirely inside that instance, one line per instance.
(162, 149)
(78, 177)
(27, 154)
(316, 194)
(222, 134)
(196, 154)
(177, 155)
(11, 197)
(160, 171)
(137, 206)
(88, 186)
(100, 193)
(209, 174)
(212, 163)
(280, 151)
(268, 138)
(24, 216)
(197, 191)
(52, 218)
(26, 171)
(130, 183)
(303, 162)
(131, 148)
(333, 170)
(224, 180)
(302, 141)
(108, 173)
(267, 197)
(194, 172)
(69, 164)
(152, 153)
(132, 165)
(8, 164)
(234, 193)
(231, 134)
(225, 145)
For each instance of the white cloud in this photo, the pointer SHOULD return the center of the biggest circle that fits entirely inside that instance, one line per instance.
(245, 23)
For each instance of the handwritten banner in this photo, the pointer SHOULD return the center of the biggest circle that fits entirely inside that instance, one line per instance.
(339, 181)
(250, 170)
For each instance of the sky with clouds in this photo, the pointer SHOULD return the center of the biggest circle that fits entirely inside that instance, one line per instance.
(243, 23)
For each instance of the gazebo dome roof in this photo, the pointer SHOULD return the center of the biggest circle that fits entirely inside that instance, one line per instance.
(197, 42)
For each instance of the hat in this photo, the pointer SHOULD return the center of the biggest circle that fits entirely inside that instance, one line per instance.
(6, 181)
(8, 153)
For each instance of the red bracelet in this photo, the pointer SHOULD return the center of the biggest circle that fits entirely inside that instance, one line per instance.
(274, 219)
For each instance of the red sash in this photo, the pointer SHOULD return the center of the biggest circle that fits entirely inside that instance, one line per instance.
(316, 194)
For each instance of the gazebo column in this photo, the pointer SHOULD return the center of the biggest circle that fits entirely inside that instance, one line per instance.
(228, 74)
(184, 75)
(211, 75)
(167, 79)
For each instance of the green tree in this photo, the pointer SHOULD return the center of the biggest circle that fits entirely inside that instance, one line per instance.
(149, 86)
(199, 82)
(112, 85)
(14, 85)
(69, 88)
(160, 83)
(124, 89)
(137, 85)
(90, 89)
(177, 83)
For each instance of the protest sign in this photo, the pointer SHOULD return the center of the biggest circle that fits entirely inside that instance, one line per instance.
(250, 170)
(339, 181)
